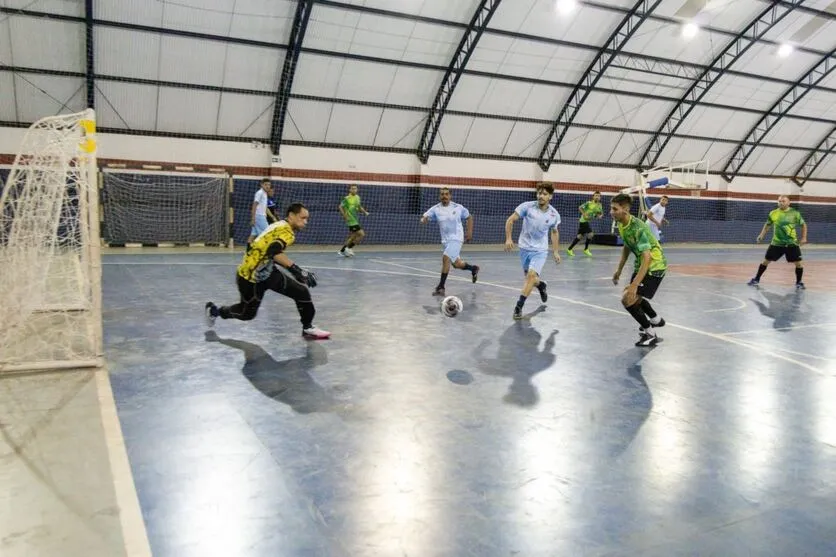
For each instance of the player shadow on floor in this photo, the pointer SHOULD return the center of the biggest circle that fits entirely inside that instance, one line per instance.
(287, 381)
(619, 413)
(784, 309)
(519, 357)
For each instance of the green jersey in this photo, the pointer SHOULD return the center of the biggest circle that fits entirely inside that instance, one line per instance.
(637, 236)
(591, 209)
(351, 205)
(785, 223)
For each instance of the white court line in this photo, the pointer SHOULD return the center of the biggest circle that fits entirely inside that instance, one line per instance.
(134, 534)
(753, 331)
(667, 323)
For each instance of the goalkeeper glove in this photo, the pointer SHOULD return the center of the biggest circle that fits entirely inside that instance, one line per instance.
(303, 275)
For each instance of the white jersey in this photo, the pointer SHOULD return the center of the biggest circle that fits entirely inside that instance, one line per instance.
(449, 220)
(658, 213)
(261, 200)
(536, 225)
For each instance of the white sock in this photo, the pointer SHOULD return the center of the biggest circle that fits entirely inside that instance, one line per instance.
(655, 321)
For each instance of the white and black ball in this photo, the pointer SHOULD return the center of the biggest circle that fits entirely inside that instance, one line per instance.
(451, 306)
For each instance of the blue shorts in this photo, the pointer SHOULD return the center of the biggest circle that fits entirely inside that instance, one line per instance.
(452, 249)
(533, 260)
(260, 225)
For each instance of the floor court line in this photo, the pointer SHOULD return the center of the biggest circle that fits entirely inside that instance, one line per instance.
(134, 534)
(715, 336)
(793, 328)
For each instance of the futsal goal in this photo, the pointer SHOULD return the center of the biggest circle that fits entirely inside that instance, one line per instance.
(50, 260)
(153, 208)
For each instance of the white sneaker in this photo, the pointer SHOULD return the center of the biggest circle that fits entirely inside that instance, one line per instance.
(315, 333)
(344, 254)
(349, 252)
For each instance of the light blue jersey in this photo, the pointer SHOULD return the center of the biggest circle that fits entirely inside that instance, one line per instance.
(449, 221)
(536, 225)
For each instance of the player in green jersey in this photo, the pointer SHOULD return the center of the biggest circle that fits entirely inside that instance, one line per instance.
(349, 209)
(648, 272)
(589, 210)
(785, 242)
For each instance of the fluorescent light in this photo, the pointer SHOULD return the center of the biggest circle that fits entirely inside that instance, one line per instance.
(785, 50)
(565, 7)
(689, 30)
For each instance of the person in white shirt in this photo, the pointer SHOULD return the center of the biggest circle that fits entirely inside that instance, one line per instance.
(258, 212)
(540, 220)
(449, 217)
(656, 217)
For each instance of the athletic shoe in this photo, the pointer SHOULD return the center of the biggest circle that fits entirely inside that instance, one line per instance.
(661, 322)
(475, 273)
(315, 333)
(439, 291)
(349, 252)
(211, 313)
(542, 288)
(517, 312)
(570, 252)
(647, 339)
(753, 282)
(800, 286)
(587, 253)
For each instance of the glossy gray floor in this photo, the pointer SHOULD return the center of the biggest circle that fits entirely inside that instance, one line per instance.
(409, 433)
(60, 494)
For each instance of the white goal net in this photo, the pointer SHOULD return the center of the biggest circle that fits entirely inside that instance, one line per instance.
(50, 283)
(154, 208)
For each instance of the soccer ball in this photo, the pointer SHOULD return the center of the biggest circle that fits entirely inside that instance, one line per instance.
(451, 306)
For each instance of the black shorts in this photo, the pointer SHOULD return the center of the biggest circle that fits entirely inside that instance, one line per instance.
(649, 285)
(355, 228)
(792, 253)
(584, 228)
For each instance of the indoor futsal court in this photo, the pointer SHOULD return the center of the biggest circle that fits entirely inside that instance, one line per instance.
(418, 278)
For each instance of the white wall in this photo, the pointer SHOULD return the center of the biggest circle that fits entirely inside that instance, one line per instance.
(221, 153)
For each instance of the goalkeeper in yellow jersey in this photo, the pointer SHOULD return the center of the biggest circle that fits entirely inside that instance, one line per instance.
(785, 242)
(260, 271)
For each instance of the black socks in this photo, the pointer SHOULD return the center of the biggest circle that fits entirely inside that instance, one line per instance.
(761, 269)
(638, 314)
(799, 272)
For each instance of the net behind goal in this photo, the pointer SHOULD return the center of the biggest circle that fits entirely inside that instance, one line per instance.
(50, 284)
(153, 208)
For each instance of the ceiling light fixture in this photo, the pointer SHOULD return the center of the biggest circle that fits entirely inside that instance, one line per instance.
(785, 50)
(565, 7)
(689, 30)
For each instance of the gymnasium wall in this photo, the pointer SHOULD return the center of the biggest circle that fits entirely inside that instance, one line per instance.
(397, 188)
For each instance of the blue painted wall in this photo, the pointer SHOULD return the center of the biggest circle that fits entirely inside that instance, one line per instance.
(396, 210)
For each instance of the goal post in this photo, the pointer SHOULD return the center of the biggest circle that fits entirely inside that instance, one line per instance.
(163, 208)
(50, 285)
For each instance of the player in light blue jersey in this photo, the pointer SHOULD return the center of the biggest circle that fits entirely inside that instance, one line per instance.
(449, 217)
(540, 220)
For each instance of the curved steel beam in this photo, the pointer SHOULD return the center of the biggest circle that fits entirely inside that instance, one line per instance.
(824, 149)
(294, 47)
(467, 45)
(747, 38)
(585, 85)
(777, 111)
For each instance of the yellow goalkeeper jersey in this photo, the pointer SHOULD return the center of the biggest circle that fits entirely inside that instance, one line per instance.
(258, 261)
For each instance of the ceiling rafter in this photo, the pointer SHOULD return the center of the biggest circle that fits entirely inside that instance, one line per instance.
(586, 84)
(776, 113)
(294, 47)
(733, 52)
(632, 60)
(481, 17)
(824, 149)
